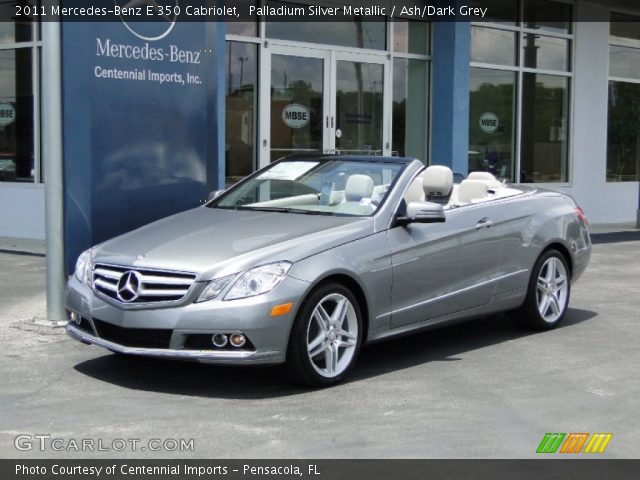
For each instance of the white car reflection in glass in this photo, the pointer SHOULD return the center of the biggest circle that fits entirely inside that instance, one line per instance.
(307, 260)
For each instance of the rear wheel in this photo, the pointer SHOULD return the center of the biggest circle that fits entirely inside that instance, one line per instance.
(326, 337)
(548, 293)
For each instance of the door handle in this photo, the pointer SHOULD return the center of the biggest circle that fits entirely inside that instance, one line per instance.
(483, 223)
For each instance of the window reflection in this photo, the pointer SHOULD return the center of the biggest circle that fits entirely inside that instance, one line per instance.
(16, 116)
(491, 45)
(544, 128)
(545, 53)
(241, 95)
(410, 87)
(623, 142)
(491, 125)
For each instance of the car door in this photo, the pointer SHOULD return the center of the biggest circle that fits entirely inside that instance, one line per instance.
(443, 268)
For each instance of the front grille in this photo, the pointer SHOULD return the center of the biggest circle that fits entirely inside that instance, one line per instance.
(133, 337)
(145, 285)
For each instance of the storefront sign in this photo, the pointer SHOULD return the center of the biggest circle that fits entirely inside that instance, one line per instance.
(489, 122)
(295, 115)
(7, 114)
(141, 99)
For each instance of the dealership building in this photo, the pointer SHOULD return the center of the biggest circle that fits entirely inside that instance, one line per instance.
(136, 121)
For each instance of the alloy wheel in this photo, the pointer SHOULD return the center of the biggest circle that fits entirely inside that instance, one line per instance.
(552, 290)
(332, 335)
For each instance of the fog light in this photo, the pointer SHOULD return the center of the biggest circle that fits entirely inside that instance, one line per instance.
(219, 340)
(237, 340)
(75, 318)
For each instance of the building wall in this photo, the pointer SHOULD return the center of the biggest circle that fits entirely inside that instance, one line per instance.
(602, 201)
(22, 210)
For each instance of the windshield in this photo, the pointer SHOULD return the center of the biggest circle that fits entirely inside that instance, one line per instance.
(315, 187)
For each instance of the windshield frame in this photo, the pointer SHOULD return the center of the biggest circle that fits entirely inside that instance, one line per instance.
(402, 161)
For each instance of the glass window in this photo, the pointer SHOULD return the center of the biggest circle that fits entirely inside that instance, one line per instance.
(624, 62)
(545, 103)
(491, 45)
(410, 36)
(547, 15)
(246, 29)
(241, 110)
(499, 11)
(355, 33)
(410, 87)
(17, 159)
(623, 140)
(545, 53)
(625, 29)
(492, 126)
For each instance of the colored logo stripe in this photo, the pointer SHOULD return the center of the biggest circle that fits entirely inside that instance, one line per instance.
(550, 442)
(574, 443)
(598, 442)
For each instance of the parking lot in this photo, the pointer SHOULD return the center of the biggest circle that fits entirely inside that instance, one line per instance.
(482, 389)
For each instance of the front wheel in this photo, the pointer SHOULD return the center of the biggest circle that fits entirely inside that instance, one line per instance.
(548, 293)
(326, 337)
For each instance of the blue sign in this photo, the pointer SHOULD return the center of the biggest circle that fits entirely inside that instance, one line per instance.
(143, 124)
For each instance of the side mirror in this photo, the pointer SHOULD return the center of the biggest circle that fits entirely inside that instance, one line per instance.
(423, 212)
(215, 194)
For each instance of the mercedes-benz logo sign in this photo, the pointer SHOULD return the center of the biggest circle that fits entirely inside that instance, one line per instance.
(151, 31)
(129, 286)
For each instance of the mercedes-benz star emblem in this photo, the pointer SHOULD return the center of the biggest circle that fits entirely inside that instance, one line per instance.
(151, 31)
(129, 286)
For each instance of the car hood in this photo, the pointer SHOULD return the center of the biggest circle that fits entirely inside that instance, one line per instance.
(213, 242)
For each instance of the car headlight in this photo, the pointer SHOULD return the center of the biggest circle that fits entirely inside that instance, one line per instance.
(258, 280)
(214, 288)
(83, 267)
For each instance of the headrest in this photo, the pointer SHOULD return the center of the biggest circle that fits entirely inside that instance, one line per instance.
(437, 180)
(471, 190)
(358, 187)
(415, 192)
(486, 176)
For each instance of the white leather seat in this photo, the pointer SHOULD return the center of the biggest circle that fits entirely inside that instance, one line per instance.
(437, 183)
(487, 177)
(358, 187)
(415, 192)
(471, 190)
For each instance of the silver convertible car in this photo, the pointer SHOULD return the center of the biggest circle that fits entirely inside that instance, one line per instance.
(308, 259)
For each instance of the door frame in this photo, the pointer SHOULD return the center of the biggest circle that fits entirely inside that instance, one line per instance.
(330, 56)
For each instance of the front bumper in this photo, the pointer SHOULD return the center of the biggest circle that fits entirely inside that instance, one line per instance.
(268, 336)
(205, 356)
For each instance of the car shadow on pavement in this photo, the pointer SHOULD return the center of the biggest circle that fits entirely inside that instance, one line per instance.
(257, 382)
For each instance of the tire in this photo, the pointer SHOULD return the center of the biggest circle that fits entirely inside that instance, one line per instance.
(326, 337)
(547, 294)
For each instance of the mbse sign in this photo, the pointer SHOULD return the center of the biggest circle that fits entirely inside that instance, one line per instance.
(489, 122)
(295, 115)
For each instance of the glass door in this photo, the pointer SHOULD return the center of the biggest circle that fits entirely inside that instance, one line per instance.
(323, 101)
(297, 102)
(360, 89)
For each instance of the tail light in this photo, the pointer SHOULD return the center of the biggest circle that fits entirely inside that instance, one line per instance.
(581, 215)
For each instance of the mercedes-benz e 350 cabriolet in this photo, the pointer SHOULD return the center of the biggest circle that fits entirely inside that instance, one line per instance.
(310, 258)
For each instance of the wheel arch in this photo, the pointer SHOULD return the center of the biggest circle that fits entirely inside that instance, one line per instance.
(354, 287)
(559, 246)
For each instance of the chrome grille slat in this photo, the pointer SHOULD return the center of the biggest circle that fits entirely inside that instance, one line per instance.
(154, 285)
(156, 280)
(102, 284)
(161, 293)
